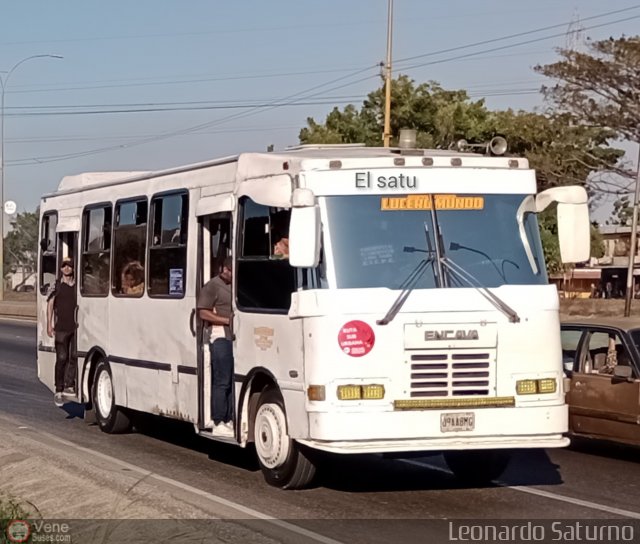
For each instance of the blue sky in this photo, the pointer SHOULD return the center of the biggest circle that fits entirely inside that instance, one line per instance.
(209, 63)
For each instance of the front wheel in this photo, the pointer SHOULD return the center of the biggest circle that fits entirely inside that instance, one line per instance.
(478, 467)
(283, 461)
(112, 419)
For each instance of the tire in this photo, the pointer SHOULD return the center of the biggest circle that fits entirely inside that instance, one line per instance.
(284, 462)
(111, 418)
(478, 467)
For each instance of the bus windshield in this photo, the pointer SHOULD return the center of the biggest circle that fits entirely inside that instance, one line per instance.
(378, 241)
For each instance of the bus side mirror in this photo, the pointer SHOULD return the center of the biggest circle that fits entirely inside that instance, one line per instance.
(574, 228)
(304, 230)
(44, 244)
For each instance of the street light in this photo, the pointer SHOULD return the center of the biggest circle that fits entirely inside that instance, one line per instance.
(3, 86)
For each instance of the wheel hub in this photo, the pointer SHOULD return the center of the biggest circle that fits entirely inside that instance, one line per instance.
(270, 431)
(105, 394)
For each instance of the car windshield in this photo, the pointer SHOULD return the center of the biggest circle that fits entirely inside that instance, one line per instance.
(377, 241)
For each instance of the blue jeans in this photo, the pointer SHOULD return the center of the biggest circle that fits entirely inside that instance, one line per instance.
(222, 380)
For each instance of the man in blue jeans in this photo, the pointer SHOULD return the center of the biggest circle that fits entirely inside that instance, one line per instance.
(214, 308)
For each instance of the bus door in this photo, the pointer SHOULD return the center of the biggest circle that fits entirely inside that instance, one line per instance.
(92, 277)
(265, 336)
(65, 245)
(214, 245)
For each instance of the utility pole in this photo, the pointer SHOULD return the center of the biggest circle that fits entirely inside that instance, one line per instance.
(387, 79)
(634, 242)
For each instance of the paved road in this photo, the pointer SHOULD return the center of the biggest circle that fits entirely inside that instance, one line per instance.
(584, 482)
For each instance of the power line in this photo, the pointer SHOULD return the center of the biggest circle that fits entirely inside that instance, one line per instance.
(184, 81)
(287, 101)
(526, 42)
(173, 81)
(182, 108)
(511, 36)
(247, 102)
(54, 139)
(195, 128)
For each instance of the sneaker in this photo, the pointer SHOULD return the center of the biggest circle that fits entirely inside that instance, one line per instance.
(58, 400)
(224, 429)
(69, 392)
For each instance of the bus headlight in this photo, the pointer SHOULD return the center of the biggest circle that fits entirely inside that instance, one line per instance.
(373, 391)
(358, 392)
(536, 387)
(547, 385)
(526, 387)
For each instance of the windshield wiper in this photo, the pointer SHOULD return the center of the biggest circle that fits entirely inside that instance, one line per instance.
(442, 262)
(463, 274)
(410, 282)
(469, 279)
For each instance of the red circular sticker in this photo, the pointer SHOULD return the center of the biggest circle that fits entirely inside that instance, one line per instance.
(356, 338)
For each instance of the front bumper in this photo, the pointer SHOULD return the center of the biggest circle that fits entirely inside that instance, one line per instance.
(404, 431)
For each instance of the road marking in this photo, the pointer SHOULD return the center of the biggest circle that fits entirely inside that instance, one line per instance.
(186, 487)
(540, 493)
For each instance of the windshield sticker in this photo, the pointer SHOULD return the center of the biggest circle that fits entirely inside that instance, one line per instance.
(372, 255)
(423, 202)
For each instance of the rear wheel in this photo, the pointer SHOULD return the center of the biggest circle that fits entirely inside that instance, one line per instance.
(283, 461)
(477, 467)
(111, 418)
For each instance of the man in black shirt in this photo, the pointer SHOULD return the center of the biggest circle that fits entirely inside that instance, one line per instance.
(61, 305)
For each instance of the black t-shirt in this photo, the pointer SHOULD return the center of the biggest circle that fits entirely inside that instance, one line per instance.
(64, 305)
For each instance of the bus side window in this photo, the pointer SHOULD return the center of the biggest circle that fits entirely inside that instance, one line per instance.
(129, 247)
(220, 228)
(265, 279)
(96, 251)
(48, 251)
(168, 250)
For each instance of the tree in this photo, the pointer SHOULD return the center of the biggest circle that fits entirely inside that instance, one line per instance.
(21, 244)
(622, 212)
(561, 152)
(600, 88)
(440, 117)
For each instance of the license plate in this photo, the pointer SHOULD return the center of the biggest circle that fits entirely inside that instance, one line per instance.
(457, 421)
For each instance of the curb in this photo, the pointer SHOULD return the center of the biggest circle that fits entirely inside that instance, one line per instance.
(19, 310)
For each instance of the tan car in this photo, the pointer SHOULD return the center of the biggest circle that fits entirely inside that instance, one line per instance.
(602, 362)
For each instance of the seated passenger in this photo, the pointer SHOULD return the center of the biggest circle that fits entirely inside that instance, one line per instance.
(132, 279)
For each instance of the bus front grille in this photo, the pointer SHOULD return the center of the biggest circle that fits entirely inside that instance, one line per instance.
(460, 373)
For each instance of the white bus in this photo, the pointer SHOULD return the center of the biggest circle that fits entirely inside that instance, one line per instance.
(413, 313)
